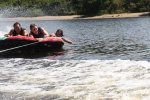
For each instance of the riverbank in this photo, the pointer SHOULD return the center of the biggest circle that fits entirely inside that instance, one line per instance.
(74, 17)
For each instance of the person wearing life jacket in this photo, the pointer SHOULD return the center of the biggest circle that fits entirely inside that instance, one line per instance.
(17, 30)
(59, 33)
(37, 32)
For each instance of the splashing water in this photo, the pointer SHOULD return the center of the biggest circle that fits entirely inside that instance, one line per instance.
(120, 73)
(5, 31)
(74, 80)
(20, 12)
(30, 12)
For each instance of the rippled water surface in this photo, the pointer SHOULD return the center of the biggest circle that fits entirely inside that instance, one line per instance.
(98, 39)
(108, 60)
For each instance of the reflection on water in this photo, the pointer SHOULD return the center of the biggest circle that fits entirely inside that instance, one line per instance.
(33, 55)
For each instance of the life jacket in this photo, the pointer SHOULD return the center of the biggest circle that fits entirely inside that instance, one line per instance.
(39, 35)
(14, 33)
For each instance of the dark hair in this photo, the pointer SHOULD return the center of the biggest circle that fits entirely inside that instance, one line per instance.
(17, 23)
(32, 25)
(60, 31)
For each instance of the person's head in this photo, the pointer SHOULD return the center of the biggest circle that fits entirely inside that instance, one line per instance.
(17, 26)
(59, 33)
(33, 28)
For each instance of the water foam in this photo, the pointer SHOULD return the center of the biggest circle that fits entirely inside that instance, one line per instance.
(5, 31)
(83, 79)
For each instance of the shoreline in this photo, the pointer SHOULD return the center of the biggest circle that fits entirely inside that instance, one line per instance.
(76, 17)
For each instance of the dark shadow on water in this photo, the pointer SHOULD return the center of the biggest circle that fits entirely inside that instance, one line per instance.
(147, 14)
(85, 16)
(32, 55)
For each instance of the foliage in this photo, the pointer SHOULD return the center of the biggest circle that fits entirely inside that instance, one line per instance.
(84, 7)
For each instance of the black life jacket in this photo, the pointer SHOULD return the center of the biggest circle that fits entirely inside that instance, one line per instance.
(39, 35)
(14, 33)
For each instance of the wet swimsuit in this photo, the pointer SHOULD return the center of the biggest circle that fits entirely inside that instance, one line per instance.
(39, 35)
(14, 33)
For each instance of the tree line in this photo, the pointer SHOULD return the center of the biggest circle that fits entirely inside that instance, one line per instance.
(82, 7)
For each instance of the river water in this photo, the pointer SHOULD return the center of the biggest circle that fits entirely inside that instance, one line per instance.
(108, 60)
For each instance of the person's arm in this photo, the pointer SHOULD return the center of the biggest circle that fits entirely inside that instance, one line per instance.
(66, 40)
(25, 33)
(9, 34)
(30, 35)
(44, 32)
